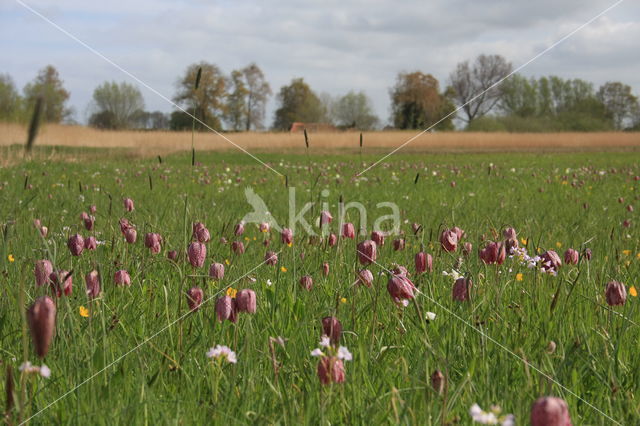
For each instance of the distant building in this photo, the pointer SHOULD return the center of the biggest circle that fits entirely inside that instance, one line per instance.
(312, 127)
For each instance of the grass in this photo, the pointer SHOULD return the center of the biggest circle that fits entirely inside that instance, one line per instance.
(554, 201)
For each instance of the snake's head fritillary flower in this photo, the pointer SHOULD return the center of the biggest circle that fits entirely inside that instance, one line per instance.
(615, 293)
(401, 289)
(200, 232)
(467, 248)
(226, 309)
(271, 258)
(287, 236)
(449, 240)
(42, 272)
(325, 269)
(61, 282)
(423, 262)
(216, 271)
(93, 209)
(122, 277)
(348, 231)
(550, 261)
(131, 235)
(365, 277)
(367, 252)
(172, 255)
(325, 218)
(153, 241)
(438, 381)
(41, 317)
(333, 240)
(90, 243)
(493, 253)
(399, 244)
(237, 247)
(306, 282)
(92, 281)
(331, 370)
(332, 328)
(197, 253)
(265, 227)
(239, 229)
(378, 237)
(246, 301)
(194, 298)
(587, 254)
(128, 204)
(461, 289)
(550, 411)
(88, 221)
(571, 256)
(75, 244)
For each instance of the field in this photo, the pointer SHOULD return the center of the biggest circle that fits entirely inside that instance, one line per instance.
(137, 355)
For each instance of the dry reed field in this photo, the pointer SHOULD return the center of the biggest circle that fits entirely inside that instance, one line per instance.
(143, 143)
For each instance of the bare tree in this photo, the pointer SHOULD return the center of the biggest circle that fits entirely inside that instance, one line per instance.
(473, 86)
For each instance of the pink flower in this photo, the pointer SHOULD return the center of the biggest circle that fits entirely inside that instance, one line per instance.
(367, 252)
(467, 248)
(197, 253)
(93, 209)
(331, 370)
(271, 258)
(153, 241)
(424, 262)
(571, 257)
(332, 328)
(92, 281)
(200, 232)
(226, 309)
(246, 301)
(306, 282)
(88, 221)
(239, 229)
(90, 243)
(550, 261)
(128, 204)
(121, 277)
(75, 244)
(130, 235)
(287, 236)
(172, 255)
(216, 271)
(265, 227)
(194, 298)
(325, 218)
(237, 247)
(616, 293)
(378, 237)
(41, 317)
(550, 411)
(61, 283)
(348, 231)
(438, 381)
(365, 277)
(400, 288)
(449, 240)
(493, 253)
(325, 269)
(333, 240)
(461, 289)
(398, 244)
(43, 271)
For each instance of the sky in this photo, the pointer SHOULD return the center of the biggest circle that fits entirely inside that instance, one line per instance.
(336, 46)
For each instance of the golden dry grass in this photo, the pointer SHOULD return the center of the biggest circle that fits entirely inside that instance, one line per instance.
(139, 143)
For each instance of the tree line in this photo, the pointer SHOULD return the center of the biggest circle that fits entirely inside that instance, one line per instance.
(483, 95)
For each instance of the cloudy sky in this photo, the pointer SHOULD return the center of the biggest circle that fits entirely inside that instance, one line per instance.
(336, 46)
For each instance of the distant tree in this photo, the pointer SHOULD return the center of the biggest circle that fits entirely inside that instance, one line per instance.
(208, 102)
(236, 110)
(10, 100)
(297, 102)
(117, 106)
(48, 85)
(158, 120)
(519, 96)
(416, 102)
(469, 82)
(354, 110)
(619, 103)
(258, 92)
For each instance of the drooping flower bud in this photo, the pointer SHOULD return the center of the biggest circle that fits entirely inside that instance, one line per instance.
(216, 271)
(194, 298)
(348, 231)
(200, 232)
(287, 236)
(400, 288)
(197, 253)
(122, 277)
(332, 328)
(550, 261)
(61, 282)
(616, 293)
(333, 240)
(271, 258)
(172, 255)
(246, 301)
(237, 247)
(153, 241)
(461, 289)
(423, 262)
(131, 235)
(571, 257)
(128, 204)
(306, 282)
(331, 370)
(493, 253)
(43, 271)
(449, 240)
(325, 218)
(226, 309)
(438, 381)
(365, 277)
(325, 269)
(42, 321)
(76, 244)
(265, 227)
(378, 237)
(90, 243)
(92, 281)
(367, 252)
(239, 229)
(550, 411)
(398, 244)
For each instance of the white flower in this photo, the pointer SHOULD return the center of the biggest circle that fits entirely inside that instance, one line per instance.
(491, 417)
(269, 283)
(343, 353)
(430, 316)
(45, 371)
(317, 352)
(325, 342)
(222, 352)
(29, 368)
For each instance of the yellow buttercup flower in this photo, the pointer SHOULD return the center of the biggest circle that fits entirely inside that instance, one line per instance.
(558, 244)
(633, 291)
(11, 259)
(227, 262)
(626, 252)
(343, 300)
(524, 241)
(289, 244)
(231, 292)
(283, 269)
(84, 312)
(519, 277)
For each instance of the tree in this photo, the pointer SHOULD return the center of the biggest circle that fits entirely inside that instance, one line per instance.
(207, 102)
(297, 102)
(10, 100)
(519, 96)
(48, 85)
(620, 104)
(416, 102)
(116, 106)
(473, 86)
(258, 92)
(236, 102)
(354, 110)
